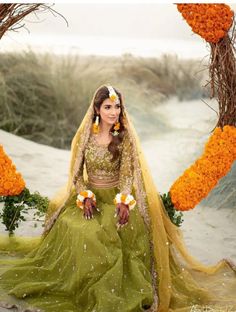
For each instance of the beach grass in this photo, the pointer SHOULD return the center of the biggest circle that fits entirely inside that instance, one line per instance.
(43, 97)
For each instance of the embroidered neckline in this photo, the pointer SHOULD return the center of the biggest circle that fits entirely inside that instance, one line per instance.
(99, 144)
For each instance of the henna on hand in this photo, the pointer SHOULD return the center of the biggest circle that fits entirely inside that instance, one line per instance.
(122, 211)
(89, 205)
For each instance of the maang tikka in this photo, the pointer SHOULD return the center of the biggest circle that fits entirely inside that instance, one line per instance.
(114, 98)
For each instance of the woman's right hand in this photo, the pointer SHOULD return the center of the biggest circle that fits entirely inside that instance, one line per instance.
(89, 206)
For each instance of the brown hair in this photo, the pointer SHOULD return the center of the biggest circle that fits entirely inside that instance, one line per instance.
(101, 95)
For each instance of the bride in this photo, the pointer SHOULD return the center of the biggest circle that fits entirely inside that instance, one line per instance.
(108, 244)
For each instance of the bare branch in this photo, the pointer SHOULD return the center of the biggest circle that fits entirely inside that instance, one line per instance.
(11, 15)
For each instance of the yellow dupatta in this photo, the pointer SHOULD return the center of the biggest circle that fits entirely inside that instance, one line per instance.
(182, 282)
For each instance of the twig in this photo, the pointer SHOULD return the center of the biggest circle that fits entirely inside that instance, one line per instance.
(13, 14)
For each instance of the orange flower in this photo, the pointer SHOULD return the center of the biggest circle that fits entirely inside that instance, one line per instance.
(117, 126)
(123, 198)
(84, 193)
(11, 181)
(211, 21)
(201, 177)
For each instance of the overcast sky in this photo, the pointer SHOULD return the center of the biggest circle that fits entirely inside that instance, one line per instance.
(121, 22)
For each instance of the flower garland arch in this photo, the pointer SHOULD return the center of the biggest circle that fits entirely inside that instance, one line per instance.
(212, 22)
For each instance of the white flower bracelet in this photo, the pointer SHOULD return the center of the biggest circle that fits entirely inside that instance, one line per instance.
(81, 197)
(125, 199)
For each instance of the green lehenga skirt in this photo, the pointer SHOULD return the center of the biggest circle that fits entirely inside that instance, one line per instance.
(84, 265)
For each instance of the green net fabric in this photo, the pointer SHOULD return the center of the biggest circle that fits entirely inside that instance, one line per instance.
(85, 265)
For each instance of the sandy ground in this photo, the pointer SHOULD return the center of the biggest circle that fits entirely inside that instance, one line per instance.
(209, 233)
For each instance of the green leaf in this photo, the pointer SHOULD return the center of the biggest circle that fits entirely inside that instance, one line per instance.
(14, 206)
(174, 215)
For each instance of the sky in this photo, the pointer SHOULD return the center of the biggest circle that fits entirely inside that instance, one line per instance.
(120, 20)
(112, 28)
(149, 20)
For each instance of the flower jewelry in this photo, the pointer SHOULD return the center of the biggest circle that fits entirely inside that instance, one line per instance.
(96, 125)
(125, 199)
(82, 196)
(116, 128)
(112, 95)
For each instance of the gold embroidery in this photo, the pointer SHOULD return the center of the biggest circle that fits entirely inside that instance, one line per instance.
(98, 160)
(126, 167)
(102, 171)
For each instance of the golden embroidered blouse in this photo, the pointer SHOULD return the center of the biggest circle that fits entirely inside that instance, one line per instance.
(102, 171)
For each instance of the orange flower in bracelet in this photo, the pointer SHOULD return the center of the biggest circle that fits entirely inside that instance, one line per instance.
(125, 199)
(211, 21)
(11, 181)
(81, 197)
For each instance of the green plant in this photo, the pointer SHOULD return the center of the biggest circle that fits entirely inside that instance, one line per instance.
(175, 216)
(14, 206)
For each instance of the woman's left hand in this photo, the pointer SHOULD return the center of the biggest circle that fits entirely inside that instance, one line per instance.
(122, 211)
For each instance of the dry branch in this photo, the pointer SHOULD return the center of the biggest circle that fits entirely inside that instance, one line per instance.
(222, 71)
(12, 14)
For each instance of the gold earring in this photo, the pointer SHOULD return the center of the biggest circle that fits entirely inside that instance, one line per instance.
(96, 125)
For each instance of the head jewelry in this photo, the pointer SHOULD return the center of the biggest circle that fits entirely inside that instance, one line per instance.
(113, 95)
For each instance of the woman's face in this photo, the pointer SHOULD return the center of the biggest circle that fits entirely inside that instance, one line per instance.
(109, 111)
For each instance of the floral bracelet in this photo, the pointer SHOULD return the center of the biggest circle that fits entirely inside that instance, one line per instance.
(82, 196)
(125, 199)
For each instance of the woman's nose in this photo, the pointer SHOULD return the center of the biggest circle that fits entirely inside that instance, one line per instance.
(113, 111)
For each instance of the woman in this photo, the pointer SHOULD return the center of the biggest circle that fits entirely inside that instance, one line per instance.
(108, 244)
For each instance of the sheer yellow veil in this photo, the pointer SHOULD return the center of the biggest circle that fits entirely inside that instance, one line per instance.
(182, 282)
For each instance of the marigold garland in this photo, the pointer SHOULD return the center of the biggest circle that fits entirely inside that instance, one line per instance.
(210, 21)
(11, 181)
(198, 180)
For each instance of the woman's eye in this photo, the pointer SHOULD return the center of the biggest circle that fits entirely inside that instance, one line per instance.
(118, 106)
(107, 107)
